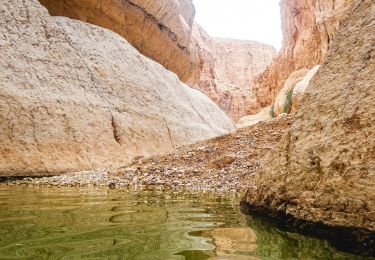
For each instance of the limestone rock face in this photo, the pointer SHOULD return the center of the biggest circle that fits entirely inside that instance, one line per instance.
(74, 96)
(308, 29)
(226, 70)
(323, 170)
(161, 29)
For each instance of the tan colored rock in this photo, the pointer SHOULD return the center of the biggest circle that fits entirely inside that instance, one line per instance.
(75, 96)
(329, 14)
(161, 29)
(323, 170)
(308, 29)
(281, 98)
(248, 121)
(301, 87)
(292, 92)
(226, 69)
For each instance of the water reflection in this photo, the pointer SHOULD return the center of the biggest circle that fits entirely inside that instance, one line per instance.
(69, 223)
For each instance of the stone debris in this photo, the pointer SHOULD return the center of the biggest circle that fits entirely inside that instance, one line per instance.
(225, 163)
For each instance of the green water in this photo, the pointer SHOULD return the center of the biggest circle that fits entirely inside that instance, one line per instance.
(69, 223)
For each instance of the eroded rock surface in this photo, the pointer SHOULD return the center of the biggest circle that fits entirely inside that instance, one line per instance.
(308, 29)
(160, 30)
(227, 68)
(165, 31)
(224, 163)
(280, 104)
(264, 115)
(323, 170)
(74, 96)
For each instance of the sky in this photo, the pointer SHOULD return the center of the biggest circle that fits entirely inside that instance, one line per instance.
(257, 20)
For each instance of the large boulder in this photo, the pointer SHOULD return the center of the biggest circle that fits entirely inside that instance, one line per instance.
(323, 170)
(74, 96)
(161, 30)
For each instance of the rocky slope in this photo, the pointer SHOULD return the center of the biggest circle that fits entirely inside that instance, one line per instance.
(226, 69)
(225, 163)
(323, 170)
(161, 30)
(74, 96)
(308, 29)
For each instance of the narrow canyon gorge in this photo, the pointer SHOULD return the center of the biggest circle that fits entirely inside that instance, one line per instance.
(123, 94)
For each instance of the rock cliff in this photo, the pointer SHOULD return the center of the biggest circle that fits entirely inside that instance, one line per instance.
(308, 29)
(165, 32)
(227, 68)
(161, 30)
(323, 169)
(74, 96)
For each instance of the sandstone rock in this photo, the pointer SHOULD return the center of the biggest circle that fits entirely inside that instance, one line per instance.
(279, 105)
(263, 115)
(197, 166)
(300, 88)
(323, 170)
(308, 28)
(160, 29)
(290, 95)
(74, 96)
(226, 69)
(329, 14)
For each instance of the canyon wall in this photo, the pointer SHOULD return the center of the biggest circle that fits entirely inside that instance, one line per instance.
(161, 30)
(74, 96)
(308, 29)
(226, 69)
(323, 170)
(165, 32)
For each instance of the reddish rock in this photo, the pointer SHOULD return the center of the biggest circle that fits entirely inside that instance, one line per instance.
(308, 29)
(226, 69)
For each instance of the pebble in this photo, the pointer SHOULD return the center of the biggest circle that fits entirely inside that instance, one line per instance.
(188, 168)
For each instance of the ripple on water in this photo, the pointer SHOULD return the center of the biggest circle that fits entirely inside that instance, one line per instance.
(68, 223)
